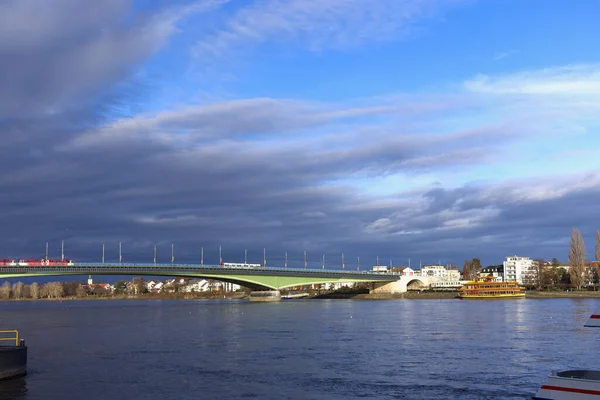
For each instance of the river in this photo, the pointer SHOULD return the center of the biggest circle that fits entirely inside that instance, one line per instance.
(303, 349)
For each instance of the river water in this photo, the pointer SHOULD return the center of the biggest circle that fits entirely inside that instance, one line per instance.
(305, 349)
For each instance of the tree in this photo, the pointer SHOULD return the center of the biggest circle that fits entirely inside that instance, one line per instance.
(140, 286)
(34, 290)
(120, 287)
(539, 275)
(597, 253)
(597, 245)
(80, 291)
(468, 271)
(476, 267)
(5, 290)
(577, 258)
(44, 291)
(70, 288)
(17, 290)
(555, 263)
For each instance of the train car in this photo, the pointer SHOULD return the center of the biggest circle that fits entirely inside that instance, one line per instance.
(37, 263)
(28, 262)
(240, 265)
(8, 262)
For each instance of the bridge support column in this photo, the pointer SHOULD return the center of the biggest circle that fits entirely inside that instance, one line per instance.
(265, 296)
(398, 286)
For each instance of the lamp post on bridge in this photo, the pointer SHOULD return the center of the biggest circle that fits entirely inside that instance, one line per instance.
(154, 254)
(304, 259)
(102, 253)
(46, 250)
(120, 254)
(202, 256)
(358, 265)
(265, 257)
(342, 261)
(172, 253)
(62, 249)
(286, 265)
(220, 256)
(323, 264)
(245, 256)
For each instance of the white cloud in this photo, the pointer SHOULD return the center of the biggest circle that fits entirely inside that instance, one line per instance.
(317, 24)
(583, 79)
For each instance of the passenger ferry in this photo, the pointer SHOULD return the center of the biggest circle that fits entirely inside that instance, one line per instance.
(488, 288)
(578, 384)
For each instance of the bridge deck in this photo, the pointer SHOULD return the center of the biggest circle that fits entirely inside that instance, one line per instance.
(141, 268)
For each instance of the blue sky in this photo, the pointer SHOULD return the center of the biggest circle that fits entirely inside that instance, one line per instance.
(400, 128)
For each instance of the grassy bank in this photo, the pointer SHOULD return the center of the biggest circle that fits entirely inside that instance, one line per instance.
(575, 294)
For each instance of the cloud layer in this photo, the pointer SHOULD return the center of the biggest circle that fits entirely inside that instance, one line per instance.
(444, 175)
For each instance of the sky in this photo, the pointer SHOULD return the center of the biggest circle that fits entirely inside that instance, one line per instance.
(429, 130)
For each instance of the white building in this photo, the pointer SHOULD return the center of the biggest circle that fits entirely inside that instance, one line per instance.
(439, 271)
(518, 268)
(406, 271)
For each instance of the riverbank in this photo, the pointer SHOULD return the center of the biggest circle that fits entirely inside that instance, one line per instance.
(353, 295)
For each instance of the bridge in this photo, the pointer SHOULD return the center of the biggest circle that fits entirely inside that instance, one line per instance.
(254, 278)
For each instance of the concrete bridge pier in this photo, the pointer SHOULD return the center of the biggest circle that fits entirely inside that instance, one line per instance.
(388, 287)
(265, 296)
(401, 285)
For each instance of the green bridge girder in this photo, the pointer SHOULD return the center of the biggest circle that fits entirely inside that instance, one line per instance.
(255, 279)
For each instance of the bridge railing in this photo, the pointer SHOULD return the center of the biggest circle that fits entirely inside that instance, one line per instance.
(116, 267)
(219, 267)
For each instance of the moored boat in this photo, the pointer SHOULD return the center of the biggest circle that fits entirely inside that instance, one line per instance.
(488, 288)
(578, 384)
(13, 358)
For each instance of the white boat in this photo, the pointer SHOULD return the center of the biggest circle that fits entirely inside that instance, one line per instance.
(579, 384)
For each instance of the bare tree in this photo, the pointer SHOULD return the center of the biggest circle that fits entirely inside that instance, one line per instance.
(44, 291)
(538, 275)
(55, 289)
(34, 290)
(577, 258)
(80, 291)
(467, 270)
(597, 253)
(5, 290)
(17, 290)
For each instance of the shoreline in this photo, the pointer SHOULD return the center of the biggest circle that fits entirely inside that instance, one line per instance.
(328, 296)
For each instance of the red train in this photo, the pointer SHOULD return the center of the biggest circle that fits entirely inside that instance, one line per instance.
(9, 262)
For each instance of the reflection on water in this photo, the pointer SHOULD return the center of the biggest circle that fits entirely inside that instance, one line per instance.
(13, 389)
(305, 349)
